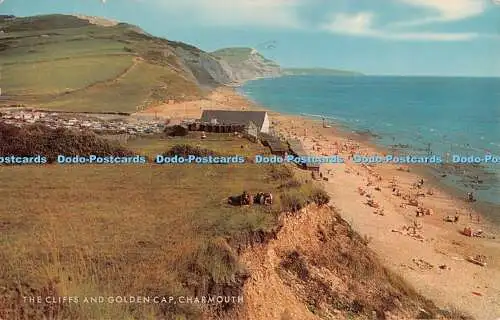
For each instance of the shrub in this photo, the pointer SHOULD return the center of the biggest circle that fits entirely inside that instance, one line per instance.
(290, 184)
(183, 150)
(215, 270)
(319, 196)
(176, 131)
(217, 261)
(41, 140)
(293, 201)
(296, 263)
(281, 172)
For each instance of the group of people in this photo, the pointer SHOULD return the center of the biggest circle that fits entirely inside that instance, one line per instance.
(263, 198)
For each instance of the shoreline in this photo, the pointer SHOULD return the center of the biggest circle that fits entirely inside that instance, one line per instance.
(431, 172)
(450, 279)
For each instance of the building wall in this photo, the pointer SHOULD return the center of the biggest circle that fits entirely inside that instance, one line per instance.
(252, 130)
(265, 125)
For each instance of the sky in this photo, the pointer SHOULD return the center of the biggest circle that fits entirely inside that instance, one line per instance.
(377, 37)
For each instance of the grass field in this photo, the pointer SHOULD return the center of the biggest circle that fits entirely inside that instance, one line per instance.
(125, 230)
(49, 55)
(61, 48)
(128, 93)
(46, 78)
(232, 145)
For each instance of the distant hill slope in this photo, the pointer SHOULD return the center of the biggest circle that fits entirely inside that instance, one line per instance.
(89, 64)
(319, 71)
(247, 63)
(85, 63)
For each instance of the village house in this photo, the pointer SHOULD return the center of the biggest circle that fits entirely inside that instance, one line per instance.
(59, 120)
(260, 119)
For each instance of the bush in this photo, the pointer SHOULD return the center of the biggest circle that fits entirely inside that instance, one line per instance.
(41, 140)
(293, 201)
(183, 150)
(319, 196)
(297, 264)
(281, 172)
(215, 270)
(290, 184)
(217, 261)
(176, 131)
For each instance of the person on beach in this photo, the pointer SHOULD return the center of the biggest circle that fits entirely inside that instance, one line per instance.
(470, 197)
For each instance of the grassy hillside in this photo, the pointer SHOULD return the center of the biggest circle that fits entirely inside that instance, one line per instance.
(147, 230)
(66, 63)
(319, 72)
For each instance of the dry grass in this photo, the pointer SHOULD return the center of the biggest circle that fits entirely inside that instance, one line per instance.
(54, 77)
(162, 230)
(145, 84)
(147, 230)
(226, 144)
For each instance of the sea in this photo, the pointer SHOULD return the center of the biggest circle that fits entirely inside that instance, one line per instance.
(443, 116)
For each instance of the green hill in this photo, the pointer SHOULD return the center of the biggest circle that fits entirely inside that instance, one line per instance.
(68, 63)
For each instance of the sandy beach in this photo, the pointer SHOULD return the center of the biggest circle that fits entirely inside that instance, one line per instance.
(405, 219)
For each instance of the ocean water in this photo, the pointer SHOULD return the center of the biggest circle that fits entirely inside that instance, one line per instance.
(440, 115)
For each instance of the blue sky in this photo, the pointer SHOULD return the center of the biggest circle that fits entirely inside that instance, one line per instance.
(396, 37)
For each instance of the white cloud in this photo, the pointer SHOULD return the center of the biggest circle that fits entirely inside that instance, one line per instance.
(359, 23)
(444, 10)
(362, 25)
(267, 13)
(286, 14)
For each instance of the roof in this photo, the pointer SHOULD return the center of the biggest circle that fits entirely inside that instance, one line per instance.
(311, 165)
(235, 117)
(296, 148)
(277, 146)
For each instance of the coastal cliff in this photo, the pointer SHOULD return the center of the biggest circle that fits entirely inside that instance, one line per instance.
(113, 66)
(289, 260)
(247, 64)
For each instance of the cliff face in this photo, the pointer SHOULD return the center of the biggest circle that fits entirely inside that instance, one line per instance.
(169, 70)
(247, 64)
(225, 66)
(205, 68)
